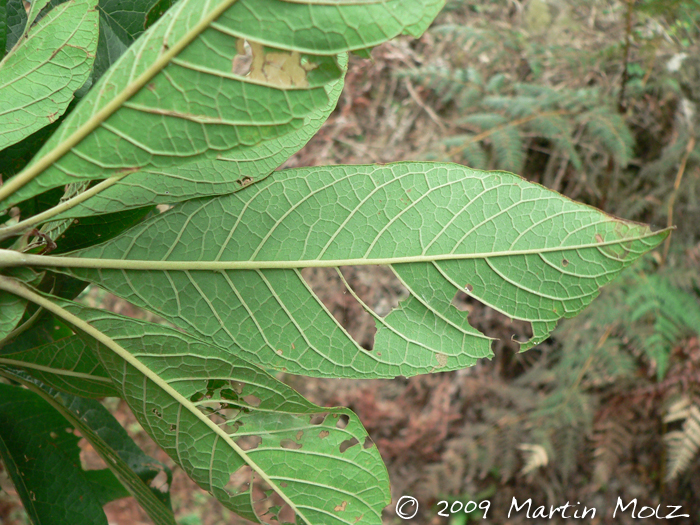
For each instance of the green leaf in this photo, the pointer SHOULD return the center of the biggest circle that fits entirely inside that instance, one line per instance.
(233, 428)
(139, 116)
(40, 452)
(121, 23)
(12, 308)
(40, 75)
(229, 173)
(16, 22)
(130, 472)
(68, 365)
(228, 268)
(34, 10)
(3, 27)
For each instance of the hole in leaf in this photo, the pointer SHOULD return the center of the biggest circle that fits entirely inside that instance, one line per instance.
(269, 505)
(237, 386)
(252, 400)
(493, 323)
(239, 481)
(348, 443)
(343, 421)
(240, 65)
(157, 413)
(368, 443)
(89, 458)
(564, 262)
(318, 419)
(249, 442)
(173, 428)
(290, 444)
(197, 396)
(375, 286)
(160, 482)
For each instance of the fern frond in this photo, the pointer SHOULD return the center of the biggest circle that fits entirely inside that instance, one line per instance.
(611, 131)
(682, 445)
(484, 121)
(674, 314)
(508, 149)
(667, 162)
(473, 153)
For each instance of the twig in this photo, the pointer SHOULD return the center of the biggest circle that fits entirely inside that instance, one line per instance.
(625, 75)
(431, 113)
(679, 177)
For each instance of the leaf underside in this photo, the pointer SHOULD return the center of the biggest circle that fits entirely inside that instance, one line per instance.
(208, 80)
(513, 245)
(40, 75)
(236, 430)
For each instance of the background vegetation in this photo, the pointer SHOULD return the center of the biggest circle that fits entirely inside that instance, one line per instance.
(597, 100)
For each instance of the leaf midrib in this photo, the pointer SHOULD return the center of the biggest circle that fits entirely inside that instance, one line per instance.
(11, 258)
(17, 182)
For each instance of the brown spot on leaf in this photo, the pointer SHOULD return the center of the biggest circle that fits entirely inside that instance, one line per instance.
(469, 287)
(341, 507)
(598, 237)
(564, 262)
(278, 68)
(324, 434)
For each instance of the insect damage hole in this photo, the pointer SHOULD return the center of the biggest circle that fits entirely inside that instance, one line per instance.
(355, 295)
(490, 322)
(89, 458)
(160, 482)
(268, 504)
(239, 481)
(347, 444)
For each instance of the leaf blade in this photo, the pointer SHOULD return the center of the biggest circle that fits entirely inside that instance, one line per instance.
(227, 268)
(99, 140)
(66, 38)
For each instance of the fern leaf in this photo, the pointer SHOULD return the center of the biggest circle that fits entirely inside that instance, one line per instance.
(682, 445)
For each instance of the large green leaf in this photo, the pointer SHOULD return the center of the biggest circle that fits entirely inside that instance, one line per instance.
(238, 432)
(182, 92)
(229, 173)
(41, 455)
(228, 268)
(40, 75)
